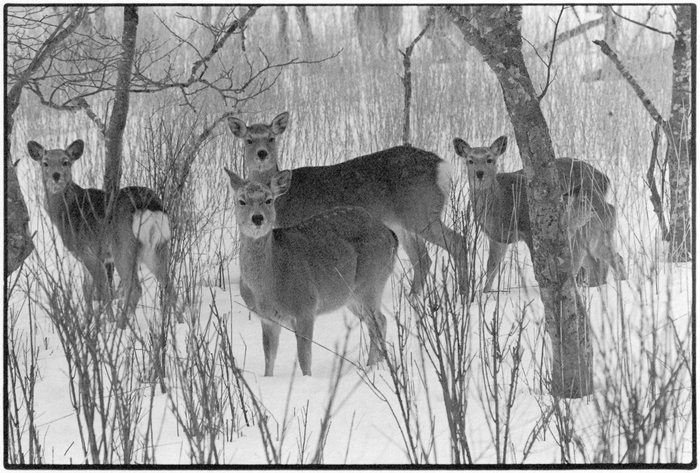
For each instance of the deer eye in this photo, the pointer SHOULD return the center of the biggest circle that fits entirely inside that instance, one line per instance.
(470, 161)
(271, 140)
(489, 161)
(268, 201)
(241, 202)
(66, 163)
(45, 164)
(249, 141)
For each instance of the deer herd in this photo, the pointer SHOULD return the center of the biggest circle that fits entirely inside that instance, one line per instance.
(317, 239)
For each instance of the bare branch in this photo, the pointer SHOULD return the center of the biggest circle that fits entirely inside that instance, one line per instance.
(82, 103)
(572, 33)
(75, 16)
(643, 25)
(656, 200)
(471, 34)
(235, 26)
(406, 79)
(646, 101)
(551, 56)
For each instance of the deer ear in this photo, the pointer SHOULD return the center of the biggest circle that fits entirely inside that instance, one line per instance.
(238, 127)
(236, 181)
(462, 148)
(75, 149)
(279, 124)
(36, 151)
(281, 183)
(499, 146)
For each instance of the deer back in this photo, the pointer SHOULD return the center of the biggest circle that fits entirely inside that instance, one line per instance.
(579, 176)
(393, 185)
(321, 262)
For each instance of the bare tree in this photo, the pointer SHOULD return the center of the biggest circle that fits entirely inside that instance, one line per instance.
(227, 76)
(677, 130)
(495, 32)
(34, 34)
(120, 111)
(407, 84)
(678, 148)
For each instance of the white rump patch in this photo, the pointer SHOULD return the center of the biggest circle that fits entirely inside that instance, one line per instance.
(151, 228)
(444, 178)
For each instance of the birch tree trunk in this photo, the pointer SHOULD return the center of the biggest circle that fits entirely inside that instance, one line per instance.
(117, 122)
(495, 32)
(677, 152)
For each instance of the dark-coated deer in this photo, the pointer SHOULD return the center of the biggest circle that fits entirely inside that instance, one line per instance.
(404, 187)
(137, 232)
(340, 258)
(499, 201)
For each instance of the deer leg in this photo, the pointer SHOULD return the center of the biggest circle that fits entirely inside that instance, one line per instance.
(159, 265)
(443, 236)
(417, 253)
(376, 326)
(247, 295)
(95, 284)
(497, 251)
(271, 339)
(304, 331)
(125, 261)
(109, 270)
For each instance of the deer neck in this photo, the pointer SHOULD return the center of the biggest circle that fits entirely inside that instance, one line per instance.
(59, 204)
(484, 201)
(256, 261)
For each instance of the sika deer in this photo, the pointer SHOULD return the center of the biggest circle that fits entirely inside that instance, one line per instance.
(591, 228)
(499, 201)
(340, 258)
(137, 232)
(404, 187)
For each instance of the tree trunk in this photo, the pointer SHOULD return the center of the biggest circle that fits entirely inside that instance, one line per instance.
(117, 122)
(677, 152)
(495, 32)
(18, 241)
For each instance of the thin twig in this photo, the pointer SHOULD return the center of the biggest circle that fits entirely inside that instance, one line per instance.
(236, 25)
(406, 79)
(643, 25)
(573, 32)
(551, 56)
(646, 101)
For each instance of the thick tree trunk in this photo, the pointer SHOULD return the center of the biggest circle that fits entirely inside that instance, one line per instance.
(117, 122)
(495, 32)
(677, 152)
(18, 241)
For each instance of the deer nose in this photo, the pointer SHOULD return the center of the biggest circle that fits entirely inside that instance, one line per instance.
(56, 176)
(262, 154)
(480, 174)
(257, 219)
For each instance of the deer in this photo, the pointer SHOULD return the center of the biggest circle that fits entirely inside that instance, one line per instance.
(136, 231)
(499, 203)
(340, 258)
(404, 187)
(591, 223)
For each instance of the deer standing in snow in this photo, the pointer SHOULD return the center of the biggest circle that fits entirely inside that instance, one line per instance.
(137, 231)
(404, 187)
(499, 201)
(335, 259)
